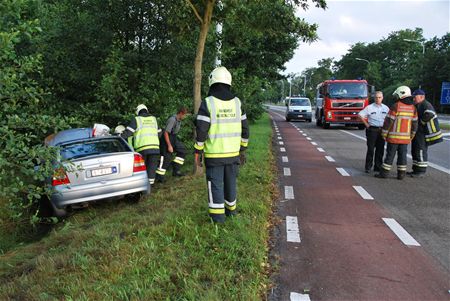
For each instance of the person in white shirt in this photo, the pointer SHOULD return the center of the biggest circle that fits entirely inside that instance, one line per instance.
(373, 117)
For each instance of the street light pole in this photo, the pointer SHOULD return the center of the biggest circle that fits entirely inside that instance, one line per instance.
(423, 56)
(304, 85)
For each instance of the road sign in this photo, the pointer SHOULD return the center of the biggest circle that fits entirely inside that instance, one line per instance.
(445, 93)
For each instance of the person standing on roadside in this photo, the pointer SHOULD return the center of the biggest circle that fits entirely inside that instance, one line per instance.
(373, 118)
(428, 133)
(222, 136)
(398, 130)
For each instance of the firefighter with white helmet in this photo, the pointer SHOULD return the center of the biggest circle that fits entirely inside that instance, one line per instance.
(118, 130)
(222, 136)
(399, 128)
(142, 134)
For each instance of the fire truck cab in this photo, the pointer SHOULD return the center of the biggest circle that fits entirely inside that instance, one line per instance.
(341, 101)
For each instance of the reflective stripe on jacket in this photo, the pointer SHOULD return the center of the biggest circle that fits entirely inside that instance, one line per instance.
(224, 135)
(433, 132)
(400, 124)
(146, 134)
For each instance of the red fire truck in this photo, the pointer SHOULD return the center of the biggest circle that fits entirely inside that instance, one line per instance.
(339, 102)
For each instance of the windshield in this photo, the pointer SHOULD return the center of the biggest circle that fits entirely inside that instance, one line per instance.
(91, 148)
(347, 90)
(300, 102)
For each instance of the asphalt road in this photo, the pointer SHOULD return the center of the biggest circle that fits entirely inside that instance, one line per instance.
(346, 250)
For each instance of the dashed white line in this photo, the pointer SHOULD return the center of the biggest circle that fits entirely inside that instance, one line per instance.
(343, 172)
(363, 193)
(282, 149)
(284, 159)
(307, 138)
(286, 171)
(329, 158)
(313, 143)
(292, 231)
(279, 138)
(299, 297)
(281, 142)
(401, 233)
(288, 192)
(320, 149)
(304, 134)
(301, 131)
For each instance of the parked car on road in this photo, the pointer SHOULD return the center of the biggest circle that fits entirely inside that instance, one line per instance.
(298, 108)
(94, 168)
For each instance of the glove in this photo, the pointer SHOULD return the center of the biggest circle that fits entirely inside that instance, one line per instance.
(242, 157)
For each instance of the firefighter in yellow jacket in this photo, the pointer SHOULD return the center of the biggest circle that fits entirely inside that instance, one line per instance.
(399, 128)
(222, 136)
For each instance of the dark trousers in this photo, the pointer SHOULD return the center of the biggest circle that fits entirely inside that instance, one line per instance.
(221, 182)
(391, 150)
(419, 152)
(375, 144)
(166, 158)
(151, 163)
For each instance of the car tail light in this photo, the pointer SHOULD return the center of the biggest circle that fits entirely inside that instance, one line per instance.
(60, 177)
(139, 164)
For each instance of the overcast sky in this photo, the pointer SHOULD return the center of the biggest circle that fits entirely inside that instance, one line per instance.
(347, 22)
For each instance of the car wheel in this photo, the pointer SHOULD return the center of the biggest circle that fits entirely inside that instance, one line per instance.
(58, 212)
(325, 125)
(361, 127)
(288, 119)
(318, 122)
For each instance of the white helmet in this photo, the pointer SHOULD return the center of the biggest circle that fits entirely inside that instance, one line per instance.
(119, 129)
(140, 107)
(220, 75)
(402, 92)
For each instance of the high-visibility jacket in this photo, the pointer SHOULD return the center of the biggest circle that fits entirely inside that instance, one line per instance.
(224, 135)
(433, 132)
(400, 124)
(429, 123)
(146, 134)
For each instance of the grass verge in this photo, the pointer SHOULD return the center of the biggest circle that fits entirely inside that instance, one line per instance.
(163, 248)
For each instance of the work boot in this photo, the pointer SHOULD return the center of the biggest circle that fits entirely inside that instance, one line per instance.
(176, 170)
(417, 174)
(401, 174)
(382, 174)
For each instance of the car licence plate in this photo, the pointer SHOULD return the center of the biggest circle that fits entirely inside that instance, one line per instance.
(347, 118)
(103, 171)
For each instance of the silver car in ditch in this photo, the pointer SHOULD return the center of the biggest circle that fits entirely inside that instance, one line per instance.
(94, 168)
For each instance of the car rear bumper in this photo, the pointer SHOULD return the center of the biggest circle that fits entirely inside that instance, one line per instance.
(299, 115)
(67, 195)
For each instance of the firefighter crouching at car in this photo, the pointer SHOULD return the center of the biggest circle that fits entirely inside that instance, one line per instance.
(142, 134)
(222, 135)
(400, 126)
(170, 144)
(428, 133)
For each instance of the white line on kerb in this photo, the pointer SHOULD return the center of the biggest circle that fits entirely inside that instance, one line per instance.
(320, 149)
(404, 236)
(363, 193)
(313, 143)
(284, 159)
(282, 149)
(280, 142)
(329, 158)
(286, 171)
(299, 297)
(307, 138)
(292, 231)
(288, 192)
(343, 172)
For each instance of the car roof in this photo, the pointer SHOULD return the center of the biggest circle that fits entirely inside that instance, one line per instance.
(69, 135)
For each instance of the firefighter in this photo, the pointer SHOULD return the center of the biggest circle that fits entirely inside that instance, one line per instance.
(170, 144)
(142, 134)
(222, 136)
(373, 118)
(428, 133)
(399, 128)
(118, 130)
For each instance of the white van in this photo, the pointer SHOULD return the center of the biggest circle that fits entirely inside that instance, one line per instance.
(298, 108)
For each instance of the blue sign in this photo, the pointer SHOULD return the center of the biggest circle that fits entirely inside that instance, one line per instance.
(445, 93)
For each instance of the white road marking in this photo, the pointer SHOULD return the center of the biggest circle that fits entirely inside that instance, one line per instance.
(299, 297)
(401, 233)
(307, 138)
(282, 149)
(284, 159)
(281, 142)
(279, 138)
(320, 149)
(301, 131)
(363, 193)
(287, 171)
(304, 134)
(329, 158)
(288, 192)
(292, 231)
(430, 164)
(343, 172)
(313, 143)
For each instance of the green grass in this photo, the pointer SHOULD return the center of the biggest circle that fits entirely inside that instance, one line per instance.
(444, 126)
(163, 248)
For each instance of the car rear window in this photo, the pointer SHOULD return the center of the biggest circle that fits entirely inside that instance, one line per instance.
(93, 147)
(300, 102)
